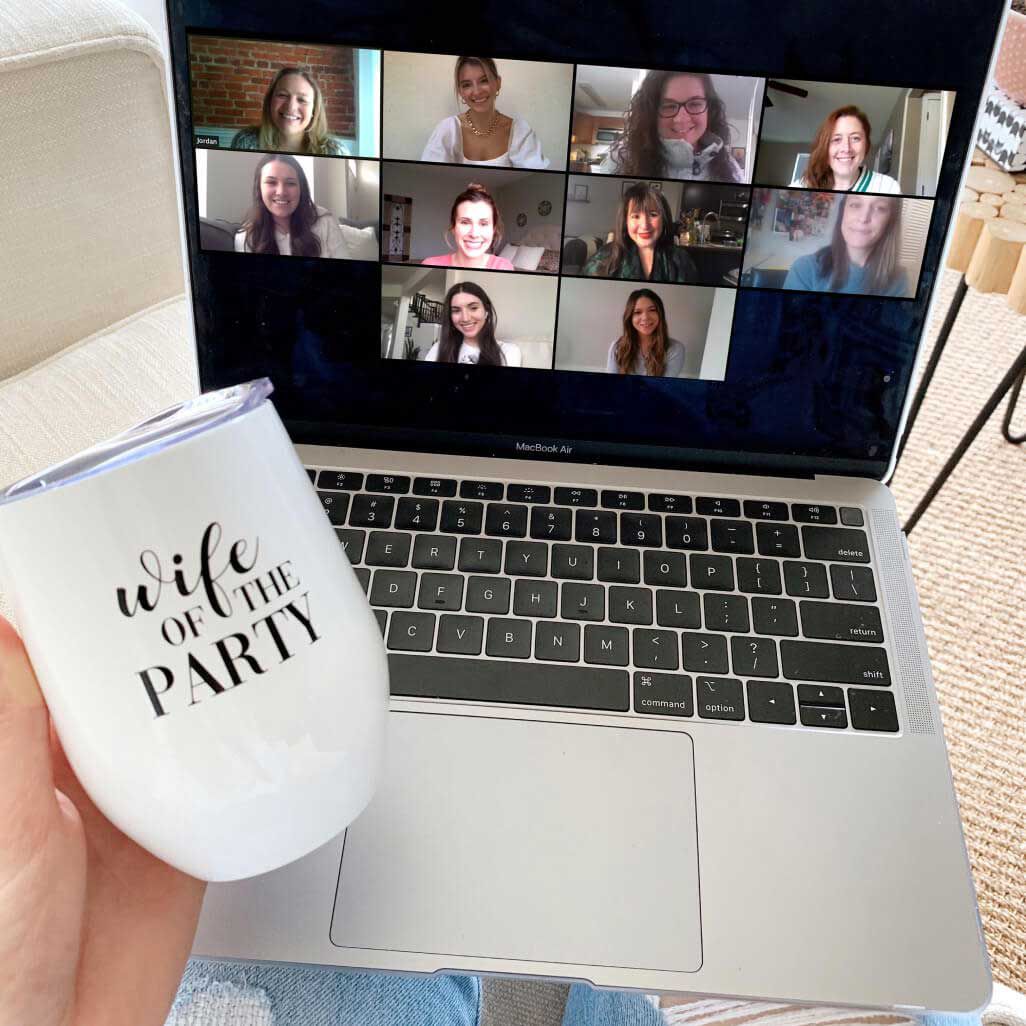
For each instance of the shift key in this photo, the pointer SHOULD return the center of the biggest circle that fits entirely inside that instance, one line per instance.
(841, 621)
(838, 544)
(838, 664)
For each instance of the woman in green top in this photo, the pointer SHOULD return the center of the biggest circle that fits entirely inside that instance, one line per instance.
(643, 248)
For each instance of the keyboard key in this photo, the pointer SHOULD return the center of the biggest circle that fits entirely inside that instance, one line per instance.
(336, 505)
(363, 575)
(480, 555)
(640, 529)
(630, 605)
(605, 646)
(660, 502)
(434, 552)
(528, 493)
(770, 702)
(340, 480)
(506, 520)
(853, 583)
(439, 487)
(841, 622)
(718, 507)
(485, 490)
(705, 653)
(535, 598)
(687, 533)
(576, 497)
(851, 516)
(386, 548)
(416, 514)
(311, 473)
(839, 664)
(622, 500)
(818, 716)
(573, 562)
(663, 694)
(462, 517)
(494, 680)
(551, 523)
(732, 536)
(761, 509)
(820, 694)
(754, 657)
(388, 483)
(440, 591)
(716, 572)
(837, 544)
(872, 710)
(461, 635)
(777, 540)
(816, 514)
(557, 641)
(655, 650)
(411, 632)
(508, 638)
(666, 569)
(619, 566)
(583, 602)
(488, 594)
(527, 559)
(592, 526)
(352, 540)
(393, 588)
(371, 511)
(678, 609)
(805, 580)
(719, 698)
(381, 615)
(758, 575)
(726, 613)
(775, 616)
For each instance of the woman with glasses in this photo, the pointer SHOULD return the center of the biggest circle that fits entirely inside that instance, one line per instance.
(675, 126)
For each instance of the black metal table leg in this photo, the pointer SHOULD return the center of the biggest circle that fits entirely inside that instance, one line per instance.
(1006, 424)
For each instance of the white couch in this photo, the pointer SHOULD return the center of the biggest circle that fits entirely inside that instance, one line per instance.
(95, 331)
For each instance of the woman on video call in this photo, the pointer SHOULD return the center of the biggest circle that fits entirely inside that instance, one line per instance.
(643, 248)
(675, 127)
(468, 331)
(283, 219)
(645, 347)
(837, 159)
(292, 119)
(481, 134)
(476, 226)
(862, 256)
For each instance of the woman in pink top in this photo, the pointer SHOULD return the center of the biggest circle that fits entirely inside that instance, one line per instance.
(476, 226)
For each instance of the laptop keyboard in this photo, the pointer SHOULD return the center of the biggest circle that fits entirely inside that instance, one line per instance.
(636, 602)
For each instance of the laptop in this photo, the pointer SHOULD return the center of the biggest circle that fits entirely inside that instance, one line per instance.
(598, 346)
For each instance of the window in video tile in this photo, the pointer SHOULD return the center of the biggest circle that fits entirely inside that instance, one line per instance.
(836, 242)
(285, 97)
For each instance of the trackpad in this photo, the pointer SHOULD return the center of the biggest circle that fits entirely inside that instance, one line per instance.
(549, 842)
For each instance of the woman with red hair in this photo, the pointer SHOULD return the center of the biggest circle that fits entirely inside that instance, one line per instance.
(839, 156)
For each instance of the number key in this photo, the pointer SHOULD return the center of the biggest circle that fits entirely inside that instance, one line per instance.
(371, 511)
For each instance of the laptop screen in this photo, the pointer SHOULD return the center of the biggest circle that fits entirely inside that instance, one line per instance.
(672, 235)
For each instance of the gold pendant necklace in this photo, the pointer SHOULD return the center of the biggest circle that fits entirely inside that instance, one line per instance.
(488, 131)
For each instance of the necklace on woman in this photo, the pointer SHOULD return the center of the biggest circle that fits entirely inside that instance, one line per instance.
(488, 131)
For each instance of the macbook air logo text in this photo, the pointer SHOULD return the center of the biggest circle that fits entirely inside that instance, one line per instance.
(560, 450)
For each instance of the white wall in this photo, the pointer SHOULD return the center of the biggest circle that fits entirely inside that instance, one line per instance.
(591, 319)
(598, 215)
(419, 91)
(365, 191)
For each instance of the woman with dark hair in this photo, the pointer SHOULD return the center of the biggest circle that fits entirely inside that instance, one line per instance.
(292, 119)
(480, 134)
(838, 156)
(283, 218)
(675, 126)
(645, 347)
(643, 248)
(863, 253)
(468, 331)
(476, 227)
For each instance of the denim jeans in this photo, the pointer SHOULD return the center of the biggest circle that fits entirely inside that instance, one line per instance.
(235, 994)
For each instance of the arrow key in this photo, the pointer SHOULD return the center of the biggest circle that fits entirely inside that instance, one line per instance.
(770, 702)
(820, 694)
(872, 710)
(820, 716)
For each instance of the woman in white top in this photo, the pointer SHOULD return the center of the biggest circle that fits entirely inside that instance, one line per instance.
(468, 331)
(481, 134)
(283, 219)
(838, 157)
